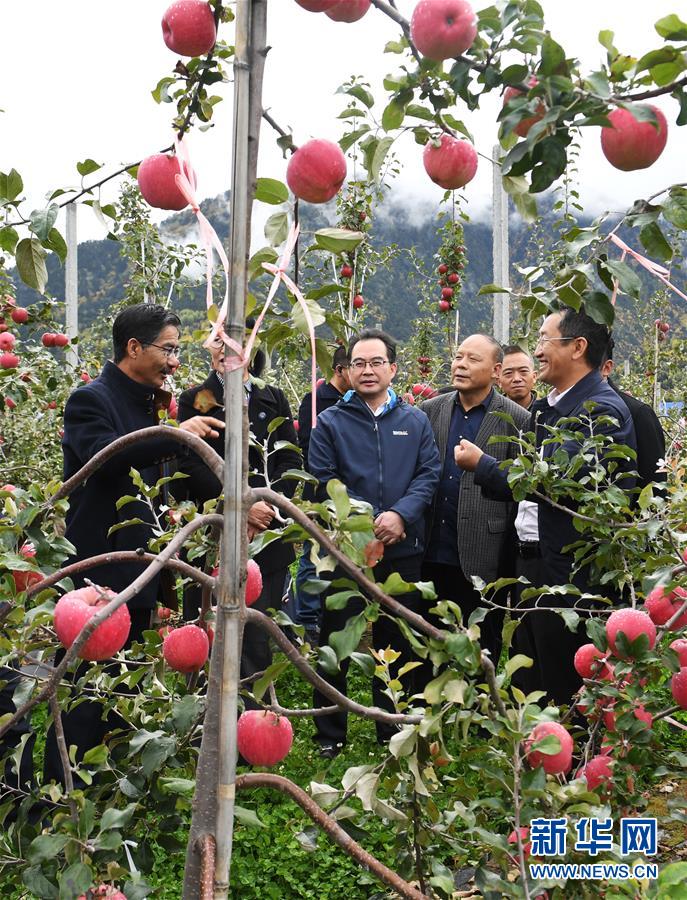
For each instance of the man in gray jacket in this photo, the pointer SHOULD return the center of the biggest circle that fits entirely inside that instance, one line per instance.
(468, 534)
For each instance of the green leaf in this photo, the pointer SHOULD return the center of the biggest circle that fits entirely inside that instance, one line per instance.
(393, 115)
(46, 846)
(30, 257)
(338, 240)
(156, 752)
(365, 662)
(519, 661)
(277, 228)
(672, 28)
(493, 289)
(338, 494)
(526, 205)
(628, 279)
(269, 190)
(87, 167)
(56, 243)
(340, 599)
(347, 141)
(675, 207)
(161, 92)
(654, 241)
(38, 884)
(75, 880)
(379, 156)
(264, 254)
(117, 818)
(606, 40)
(599, 307)
(394, 585)
(96, 756)
(316, 314)
(344, 642)
(248, 817)
(11, 185)
(42, 220)
(8, 238)
(552, 57)
(360, 93)
(181, 786)
(419, 112)
(271, 675)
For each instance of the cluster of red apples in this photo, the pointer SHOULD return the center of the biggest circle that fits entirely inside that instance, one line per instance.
(662, 329)
(19, 315)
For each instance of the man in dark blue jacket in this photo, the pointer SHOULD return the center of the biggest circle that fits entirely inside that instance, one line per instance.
(383, 450)
(570, 350)
(127, 396)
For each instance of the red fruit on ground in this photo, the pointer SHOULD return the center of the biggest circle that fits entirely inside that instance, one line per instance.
(48, 339)
(20, 315)
(253, 582)
(263, 738)
(74, 610)
(9, 360)
(358, 301)
(598, 772)
(678, 687)
(346, 272)
(441, 29)
(523, 127)
(524, 838)
(661, 607)
(348, 10)
(60, 340)
(587, 661)
(452, 164)
(24, 579)
(156, 181)
(316, 171)
(188, 28)
(556, 763)
(316, 5)
(444, 306)
(679, 646)
(629, 144)
(186, 649)
(7, 341)
(446, 293)
(442, 269)
(633, 623)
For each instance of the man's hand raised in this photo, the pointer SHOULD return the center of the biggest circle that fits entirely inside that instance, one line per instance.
(467, 455)
(203, 426)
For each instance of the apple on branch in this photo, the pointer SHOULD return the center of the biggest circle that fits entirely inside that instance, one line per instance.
(186, 649)
(441, 29)
(630, 144)
(156, 181)
(263, 737)
(347, 10)
(188, 27)
(73, 611)
(450, 162)
(316, 6)
(316, 171)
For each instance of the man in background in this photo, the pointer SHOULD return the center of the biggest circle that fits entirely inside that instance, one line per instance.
(518, 376)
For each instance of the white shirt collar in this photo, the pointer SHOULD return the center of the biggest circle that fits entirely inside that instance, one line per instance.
(555, 395)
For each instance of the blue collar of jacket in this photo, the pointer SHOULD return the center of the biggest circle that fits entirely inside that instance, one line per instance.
(120, 381)
(582, 390)
(391, 403)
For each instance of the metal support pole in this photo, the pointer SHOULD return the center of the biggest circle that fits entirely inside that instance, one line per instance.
(71, 286)
(500, 250)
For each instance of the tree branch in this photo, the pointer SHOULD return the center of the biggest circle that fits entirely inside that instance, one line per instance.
(332, 829)
(280, 131)
(64, 754)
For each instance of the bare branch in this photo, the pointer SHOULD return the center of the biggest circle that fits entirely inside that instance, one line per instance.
(64, 754)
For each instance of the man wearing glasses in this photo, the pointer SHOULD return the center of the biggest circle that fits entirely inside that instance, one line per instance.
(570, 349)
(127, 396)
(383, 450)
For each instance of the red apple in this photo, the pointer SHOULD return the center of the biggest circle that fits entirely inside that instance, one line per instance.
(556, 763)
(348, 10)
(74, 610)
(662, 607)
(188, 28)
(3, 325)
(679, 646)
(524, 839)
(263, 738)
(523, 127)
(629, 144)
(9, 360)
(109, 891)
(408, 397)
(441, 29)
(11, 488)
(156, 181)
(453, 278)
(358, 301)
(598, 772)
(444, 306)
(186, 649)
(296, 425)
(452, 164)
(316, 5)
(678, 687)
(85, 377)
(632, 622)
(24, 579)
(442, 269)
(60, 340)
(20, 315)
(640, 713)
(52, 404)
(7, 341)
(316, 171)
(9, 403)
(48, 339)
(164, 613)
(590, 662)
(446, 293)
(346, 272)
(173, 408)
(253, 582)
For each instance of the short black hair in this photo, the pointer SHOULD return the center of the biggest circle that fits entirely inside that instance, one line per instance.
(510, 349)
(143, 321)
(374, 334)
(574, 323)
(340, 358)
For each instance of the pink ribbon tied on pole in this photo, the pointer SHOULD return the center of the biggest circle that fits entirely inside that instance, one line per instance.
(654, 268)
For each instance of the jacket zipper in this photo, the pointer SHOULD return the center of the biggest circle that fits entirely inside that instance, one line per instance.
(379, 461)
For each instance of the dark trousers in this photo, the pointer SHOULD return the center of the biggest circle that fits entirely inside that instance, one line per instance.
(84, 725)
(9, 742)
(451, 584)
(543, 637)
(331, 729)
(307, 607)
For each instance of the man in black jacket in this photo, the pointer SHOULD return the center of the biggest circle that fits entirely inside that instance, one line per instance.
(127, 396)
(307, 606)
(265, 404)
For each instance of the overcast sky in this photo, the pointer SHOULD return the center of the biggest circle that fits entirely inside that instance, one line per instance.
(77, 76)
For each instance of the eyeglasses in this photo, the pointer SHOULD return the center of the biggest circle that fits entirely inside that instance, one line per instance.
(546, 340)
(168, 351)
(361, 364)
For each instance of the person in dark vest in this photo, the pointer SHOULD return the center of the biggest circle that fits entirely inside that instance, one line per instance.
(265, 404)
(570, 349)
(127, 396)
(308, 606)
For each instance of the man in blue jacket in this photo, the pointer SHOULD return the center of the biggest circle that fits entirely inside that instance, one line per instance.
(383, 450)
(570, 349)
